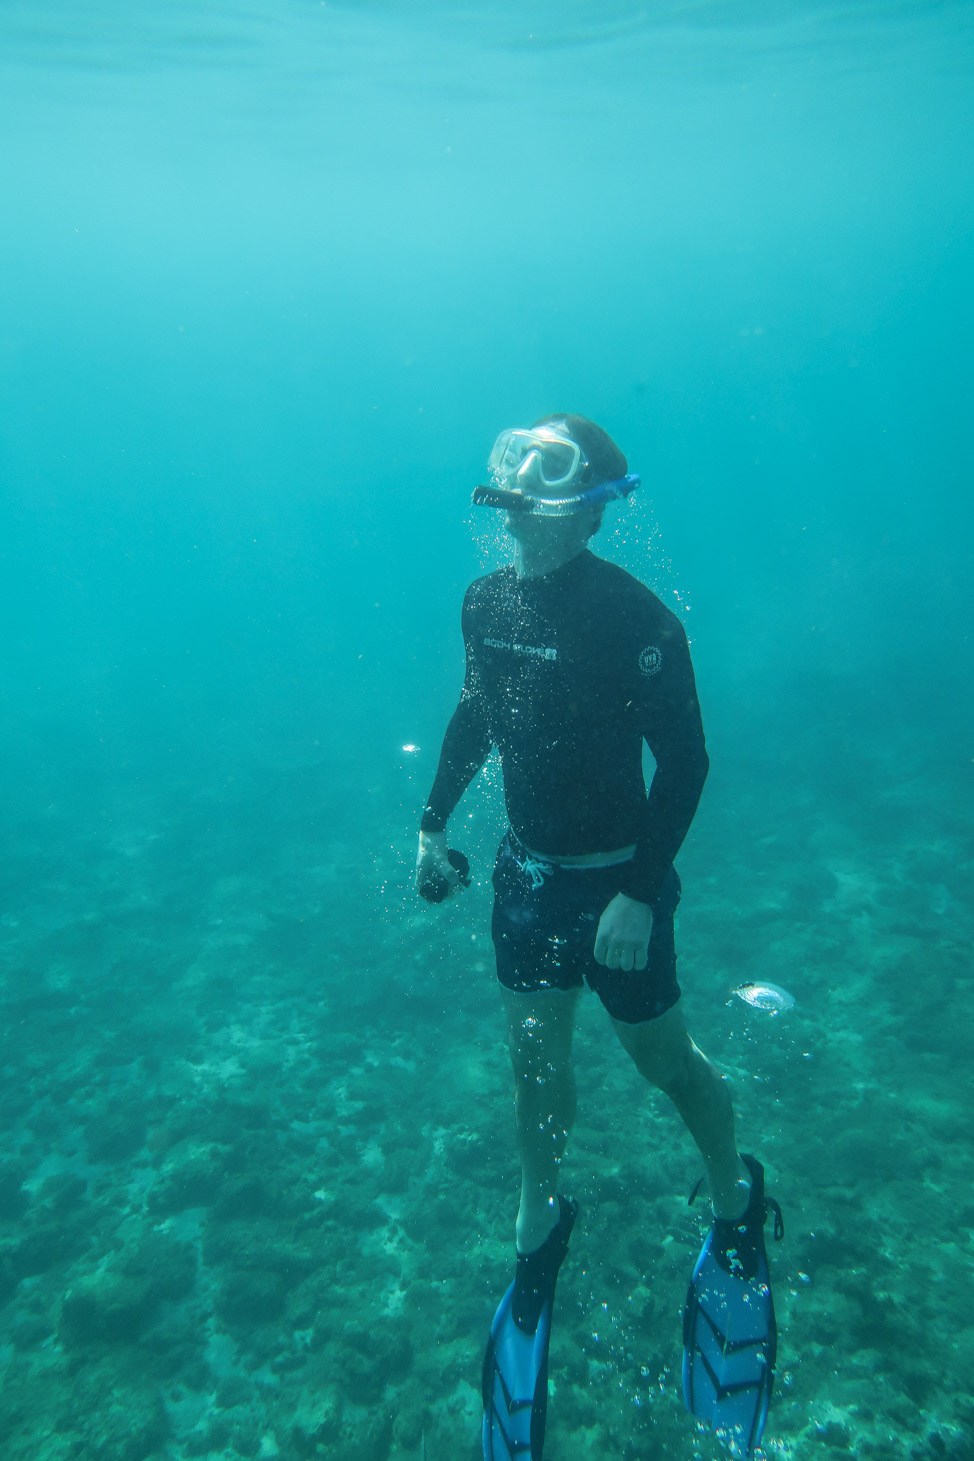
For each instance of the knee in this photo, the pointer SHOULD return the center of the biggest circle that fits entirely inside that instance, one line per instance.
(535, 1074)
(680, 1070)
(535, 1060)
(672, 1071)
(692, 1077)
(543, 1078)
(528, 1059)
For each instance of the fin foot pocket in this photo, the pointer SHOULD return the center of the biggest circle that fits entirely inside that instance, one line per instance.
(515, 1379)
(537, 1271)
(729, 1330)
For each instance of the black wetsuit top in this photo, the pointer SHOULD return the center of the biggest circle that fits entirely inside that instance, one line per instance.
(567, 675)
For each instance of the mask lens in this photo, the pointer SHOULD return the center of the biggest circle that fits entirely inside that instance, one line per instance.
(503, 458)
(556, 462)
(559, 460)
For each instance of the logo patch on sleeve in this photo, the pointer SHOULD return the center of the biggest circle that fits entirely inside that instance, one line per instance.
(651, 660)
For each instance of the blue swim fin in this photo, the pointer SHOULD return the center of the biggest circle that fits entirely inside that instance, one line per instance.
(730, 1336)
(515, 1382)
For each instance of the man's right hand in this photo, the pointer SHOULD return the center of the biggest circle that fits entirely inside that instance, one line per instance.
(433, 866)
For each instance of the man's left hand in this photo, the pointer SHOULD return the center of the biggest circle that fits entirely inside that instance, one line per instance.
(622, 941)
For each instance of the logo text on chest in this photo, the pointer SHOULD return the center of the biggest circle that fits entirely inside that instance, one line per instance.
(534, 651)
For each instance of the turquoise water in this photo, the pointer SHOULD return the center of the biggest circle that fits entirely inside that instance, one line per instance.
(273, 277)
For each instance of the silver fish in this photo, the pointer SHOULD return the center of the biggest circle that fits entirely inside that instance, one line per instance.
(763, 996)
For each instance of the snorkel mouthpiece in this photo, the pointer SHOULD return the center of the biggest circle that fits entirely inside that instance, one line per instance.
(512, 499)
(508, 499)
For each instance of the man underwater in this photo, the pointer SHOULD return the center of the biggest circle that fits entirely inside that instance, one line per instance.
(571, 664)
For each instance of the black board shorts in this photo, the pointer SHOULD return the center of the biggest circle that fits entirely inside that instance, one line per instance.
(544, 925)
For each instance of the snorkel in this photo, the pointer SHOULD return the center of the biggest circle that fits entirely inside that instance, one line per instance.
(515, 499)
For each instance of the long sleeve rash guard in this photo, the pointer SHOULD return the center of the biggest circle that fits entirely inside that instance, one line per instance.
(567, 675)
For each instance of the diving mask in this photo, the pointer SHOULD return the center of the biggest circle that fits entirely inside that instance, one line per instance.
(533, 471)
(541, 457)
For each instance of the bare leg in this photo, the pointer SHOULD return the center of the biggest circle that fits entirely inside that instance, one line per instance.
(540, 1028)
(664, 1053)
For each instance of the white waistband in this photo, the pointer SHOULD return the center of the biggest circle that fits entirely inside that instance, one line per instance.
(583, 859)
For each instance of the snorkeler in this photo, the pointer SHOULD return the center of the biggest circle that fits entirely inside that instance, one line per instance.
(571, 664)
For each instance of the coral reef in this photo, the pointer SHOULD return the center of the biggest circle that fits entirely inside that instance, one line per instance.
(257, 1194)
